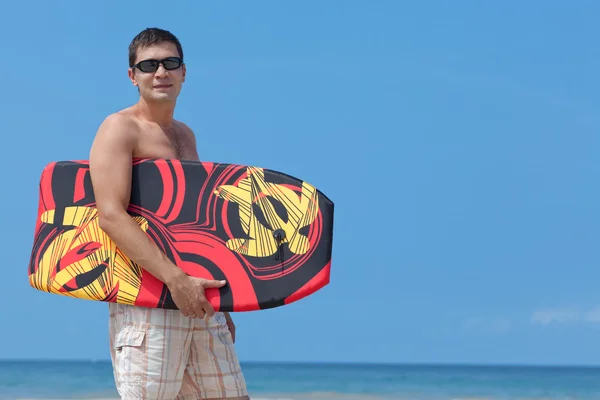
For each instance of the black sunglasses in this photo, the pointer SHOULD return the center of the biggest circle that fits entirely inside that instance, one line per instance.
(170, 63)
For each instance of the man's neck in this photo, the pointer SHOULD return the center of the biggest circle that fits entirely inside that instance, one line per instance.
(159, 113)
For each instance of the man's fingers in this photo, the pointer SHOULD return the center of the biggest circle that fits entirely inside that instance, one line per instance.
(189, 311)
(213, 284)
(208, 308)
(199, 308)
(210, 311)
(186, 313)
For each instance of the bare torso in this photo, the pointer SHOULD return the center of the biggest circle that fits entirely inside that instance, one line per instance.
(154, 141)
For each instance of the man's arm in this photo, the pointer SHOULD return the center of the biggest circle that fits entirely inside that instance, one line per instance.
(110, 170)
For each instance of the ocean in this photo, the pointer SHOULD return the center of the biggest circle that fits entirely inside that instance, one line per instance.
(94, 380)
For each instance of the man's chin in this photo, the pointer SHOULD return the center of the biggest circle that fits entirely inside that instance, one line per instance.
(165, 98)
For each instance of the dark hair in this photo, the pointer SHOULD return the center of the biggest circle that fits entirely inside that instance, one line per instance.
(148, 37)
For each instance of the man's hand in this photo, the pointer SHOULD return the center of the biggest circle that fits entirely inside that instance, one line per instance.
(230, 325)
(189, 297)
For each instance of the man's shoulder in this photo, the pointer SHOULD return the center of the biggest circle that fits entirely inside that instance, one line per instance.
(121, 118)
(119, 123)
(183, 126)
(186, 131)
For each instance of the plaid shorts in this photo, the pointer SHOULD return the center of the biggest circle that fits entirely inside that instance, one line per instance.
(162, 354)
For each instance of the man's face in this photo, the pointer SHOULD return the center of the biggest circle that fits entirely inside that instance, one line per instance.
(161, 85)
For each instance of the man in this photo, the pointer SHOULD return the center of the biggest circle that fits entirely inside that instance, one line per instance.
(158, 354)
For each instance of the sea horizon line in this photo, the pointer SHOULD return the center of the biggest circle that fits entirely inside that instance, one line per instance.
(338, 363)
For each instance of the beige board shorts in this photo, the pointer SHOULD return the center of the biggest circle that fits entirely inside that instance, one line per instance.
(162, 354)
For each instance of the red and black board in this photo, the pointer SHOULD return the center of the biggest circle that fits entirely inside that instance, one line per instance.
(268, 234)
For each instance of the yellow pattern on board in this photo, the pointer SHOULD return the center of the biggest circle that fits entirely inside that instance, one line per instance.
(119, 269)
(254, 190)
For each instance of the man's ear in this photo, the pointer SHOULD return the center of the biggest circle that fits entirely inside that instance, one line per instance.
(183, 70)
(131, 74)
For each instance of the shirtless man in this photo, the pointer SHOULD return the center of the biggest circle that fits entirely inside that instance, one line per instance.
(158, 354)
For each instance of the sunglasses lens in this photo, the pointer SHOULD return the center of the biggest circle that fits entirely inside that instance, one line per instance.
(171, 63)
(148, 66)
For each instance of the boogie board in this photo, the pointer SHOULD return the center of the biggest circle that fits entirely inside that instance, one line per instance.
(265, 232)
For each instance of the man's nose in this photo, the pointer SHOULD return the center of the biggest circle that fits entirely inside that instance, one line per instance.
(161, 71)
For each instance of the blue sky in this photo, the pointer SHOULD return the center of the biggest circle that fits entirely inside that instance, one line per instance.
(458, 140)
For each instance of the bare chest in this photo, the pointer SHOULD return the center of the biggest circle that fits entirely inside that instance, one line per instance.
(158, 143)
